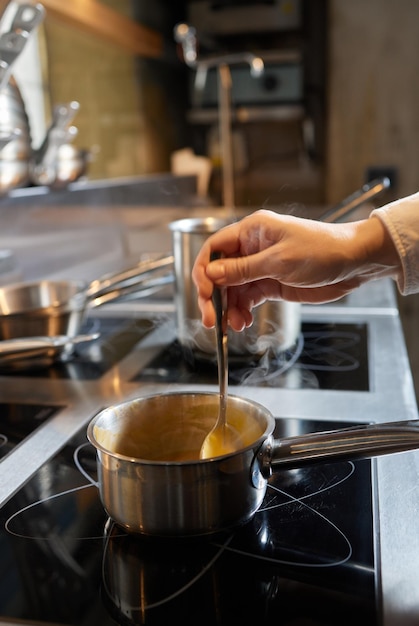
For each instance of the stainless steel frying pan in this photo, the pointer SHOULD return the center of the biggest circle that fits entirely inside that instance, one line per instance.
(49, 308)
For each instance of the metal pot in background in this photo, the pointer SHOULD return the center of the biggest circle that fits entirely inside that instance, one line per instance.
(277, 324)
(152, 481)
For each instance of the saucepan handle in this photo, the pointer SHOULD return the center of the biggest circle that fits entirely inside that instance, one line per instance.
(358, 442)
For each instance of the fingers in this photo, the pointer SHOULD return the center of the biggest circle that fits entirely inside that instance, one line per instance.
(239, 317)
(232, 269)
(203, 283)
(207, 311)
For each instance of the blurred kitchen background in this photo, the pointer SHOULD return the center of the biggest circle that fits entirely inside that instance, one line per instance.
(336, 106)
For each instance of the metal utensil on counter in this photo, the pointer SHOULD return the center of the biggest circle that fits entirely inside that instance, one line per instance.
(26, 18)
(60, 133)
(23, 349)
(223, 438)
(20, 164)
(72, 164)
(14, 123)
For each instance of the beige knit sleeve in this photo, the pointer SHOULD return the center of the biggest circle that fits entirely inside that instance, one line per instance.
(401, 218)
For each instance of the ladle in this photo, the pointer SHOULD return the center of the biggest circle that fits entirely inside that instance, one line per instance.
(223, 438)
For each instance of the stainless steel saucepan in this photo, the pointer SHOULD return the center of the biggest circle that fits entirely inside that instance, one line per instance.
(152, 481)
(49, 308)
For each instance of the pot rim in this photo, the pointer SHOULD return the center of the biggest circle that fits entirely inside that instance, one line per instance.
(199, 224)
(270, 425)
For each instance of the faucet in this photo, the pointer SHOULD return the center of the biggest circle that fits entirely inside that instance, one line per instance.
(186, 36)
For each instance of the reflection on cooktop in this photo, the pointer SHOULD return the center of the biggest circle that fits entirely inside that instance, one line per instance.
(306, 557)
(327, 356)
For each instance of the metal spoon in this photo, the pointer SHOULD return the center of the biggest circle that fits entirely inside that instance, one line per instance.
(223, 438)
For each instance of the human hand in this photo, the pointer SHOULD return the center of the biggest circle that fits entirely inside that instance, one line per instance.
(269, 256)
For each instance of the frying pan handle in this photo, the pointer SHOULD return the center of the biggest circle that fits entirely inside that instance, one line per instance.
(346, 444)
(141, 277)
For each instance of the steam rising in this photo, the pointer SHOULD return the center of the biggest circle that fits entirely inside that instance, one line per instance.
(275, 329)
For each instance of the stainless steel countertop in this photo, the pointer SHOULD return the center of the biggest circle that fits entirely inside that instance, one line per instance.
(391, 398)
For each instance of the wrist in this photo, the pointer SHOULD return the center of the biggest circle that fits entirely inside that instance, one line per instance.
(376, 248)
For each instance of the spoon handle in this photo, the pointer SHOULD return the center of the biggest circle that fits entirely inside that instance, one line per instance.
(219, 300)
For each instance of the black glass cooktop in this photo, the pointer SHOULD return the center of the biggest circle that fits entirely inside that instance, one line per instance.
(18, 420)
(326, 356)
(306, 557)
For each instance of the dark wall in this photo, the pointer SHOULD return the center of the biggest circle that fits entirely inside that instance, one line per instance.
(166, 78)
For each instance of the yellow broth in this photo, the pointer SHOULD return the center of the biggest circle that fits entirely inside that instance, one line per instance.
(171, 437)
